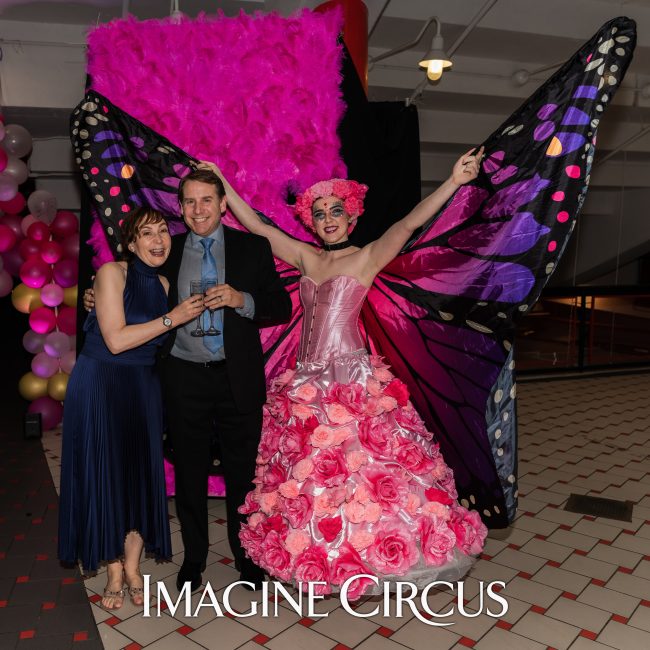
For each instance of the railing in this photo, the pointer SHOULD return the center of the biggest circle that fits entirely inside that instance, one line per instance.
(585, 328)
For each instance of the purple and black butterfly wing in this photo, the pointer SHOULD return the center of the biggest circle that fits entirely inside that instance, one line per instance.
(443, 312)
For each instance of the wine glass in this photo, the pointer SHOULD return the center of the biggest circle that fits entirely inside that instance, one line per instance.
(196, 289)
(212, 330)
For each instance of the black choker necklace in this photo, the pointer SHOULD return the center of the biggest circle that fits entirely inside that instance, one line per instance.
(337, 247)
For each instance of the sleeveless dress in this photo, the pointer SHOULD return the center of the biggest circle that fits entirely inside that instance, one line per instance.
(112, 477)
(348, 479)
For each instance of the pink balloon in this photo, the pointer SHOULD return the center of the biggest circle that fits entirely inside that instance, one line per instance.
(33, 341)
(14, 222)
(8, 187)
(43, 365)
(7, 238)
(15, 205)
(35, 272)
(6, 283)
(68, 360)
(42, 320)
(51, 411)
(30, 249)
(67, 320)
(65, 223)
(51, 252)
(38, 231)
(52, 295)
(12, 261)
(66, 272)
(3, 159)
(71, 246)
(27, 222)
(57, 344)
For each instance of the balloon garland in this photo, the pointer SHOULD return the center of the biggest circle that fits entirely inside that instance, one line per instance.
(40, 249)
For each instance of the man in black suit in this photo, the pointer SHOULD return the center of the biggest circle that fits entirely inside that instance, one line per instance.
(217, 379)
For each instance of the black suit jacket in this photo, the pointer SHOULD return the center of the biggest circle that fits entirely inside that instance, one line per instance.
(249, 267)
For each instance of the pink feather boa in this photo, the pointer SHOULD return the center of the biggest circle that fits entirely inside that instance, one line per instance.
(259, 95)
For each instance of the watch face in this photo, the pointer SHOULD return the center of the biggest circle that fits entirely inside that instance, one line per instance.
(167, 322)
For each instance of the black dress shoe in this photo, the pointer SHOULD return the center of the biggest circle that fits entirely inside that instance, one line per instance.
(190, 572)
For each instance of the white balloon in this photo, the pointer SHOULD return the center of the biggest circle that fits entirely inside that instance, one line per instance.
(42, 204)
(17, 168)
(8, 187)
(17, 140)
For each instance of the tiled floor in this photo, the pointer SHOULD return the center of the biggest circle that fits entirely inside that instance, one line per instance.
(572, 581)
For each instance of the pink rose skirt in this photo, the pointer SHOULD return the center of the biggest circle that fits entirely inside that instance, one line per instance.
(349, 481)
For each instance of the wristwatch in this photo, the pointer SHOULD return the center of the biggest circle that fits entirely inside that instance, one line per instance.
(167, 321)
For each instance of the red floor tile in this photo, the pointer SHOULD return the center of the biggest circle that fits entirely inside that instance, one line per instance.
(27, 634)
(185, 630)
(385, 631)
(80, 636)
(261, 639)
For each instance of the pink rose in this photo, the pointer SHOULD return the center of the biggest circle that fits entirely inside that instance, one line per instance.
(412, 503)
(273, 522)
(279, 406)
(301, 411)
(348, 564)
(250, 505)
(268, 502)
(393, 551)
(304, 393)
(436, 509)
(374, 407)
(272, 476)
(269, 442)
(282, 379)
(433, 494)
(255, 519)
(448, 484)
(251, 540)
(354, 512)
(382, 374)
(437, 541)
(386, 489)
(355, 460)
(408, 419)
(341, 435)
(298, 510)
(398, 390)
(377, 362)
(388, 403)
(302, 469)
(352, 396)
(289, 489)
(293, 443)
(328, 502)
(469, 530)
(297, 541)
(373, 386)
(312, 566)
(275, 557)
(361, 539)
(338, 414)
(372, 512)
(376, 435)
(362, 493)
(439, 470)
(329, 467)
(322, 437)
(412, 456)
(330, 527)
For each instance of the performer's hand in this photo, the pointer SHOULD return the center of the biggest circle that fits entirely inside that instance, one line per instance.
(467, 166)
(89, 299)
(210, 166)
(223, 295)
(187, 310)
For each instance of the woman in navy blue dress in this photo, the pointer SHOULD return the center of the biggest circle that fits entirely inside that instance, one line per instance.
(113, 500)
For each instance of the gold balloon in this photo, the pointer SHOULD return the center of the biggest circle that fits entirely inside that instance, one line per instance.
(26, 299)
(70, 296)
(56, 385)
(32, 387)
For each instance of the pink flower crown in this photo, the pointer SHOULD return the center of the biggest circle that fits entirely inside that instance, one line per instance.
(350, 192)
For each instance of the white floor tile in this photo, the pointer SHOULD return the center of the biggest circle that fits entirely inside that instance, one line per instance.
(624, 637)
(552, 632)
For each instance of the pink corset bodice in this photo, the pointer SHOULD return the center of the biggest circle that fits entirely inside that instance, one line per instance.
(330, 325)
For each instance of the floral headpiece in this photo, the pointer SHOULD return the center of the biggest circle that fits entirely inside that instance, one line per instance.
(350, 192)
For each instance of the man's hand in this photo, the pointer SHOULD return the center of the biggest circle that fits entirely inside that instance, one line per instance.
(223, 295)
(89, 299)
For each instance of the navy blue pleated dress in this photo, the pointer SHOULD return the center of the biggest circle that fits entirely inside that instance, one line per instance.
(112, 475)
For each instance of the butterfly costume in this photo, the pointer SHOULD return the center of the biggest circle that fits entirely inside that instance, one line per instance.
(400, 384)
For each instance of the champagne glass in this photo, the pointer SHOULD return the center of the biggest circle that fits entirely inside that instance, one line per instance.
(196, 289)
(212, 330)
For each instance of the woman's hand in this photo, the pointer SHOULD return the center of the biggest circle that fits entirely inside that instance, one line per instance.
(187, 310)
(89, 299)
(467, 167)
(210, 166)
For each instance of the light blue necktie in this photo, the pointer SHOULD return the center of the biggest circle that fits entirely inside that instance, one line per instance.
(209, 273)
